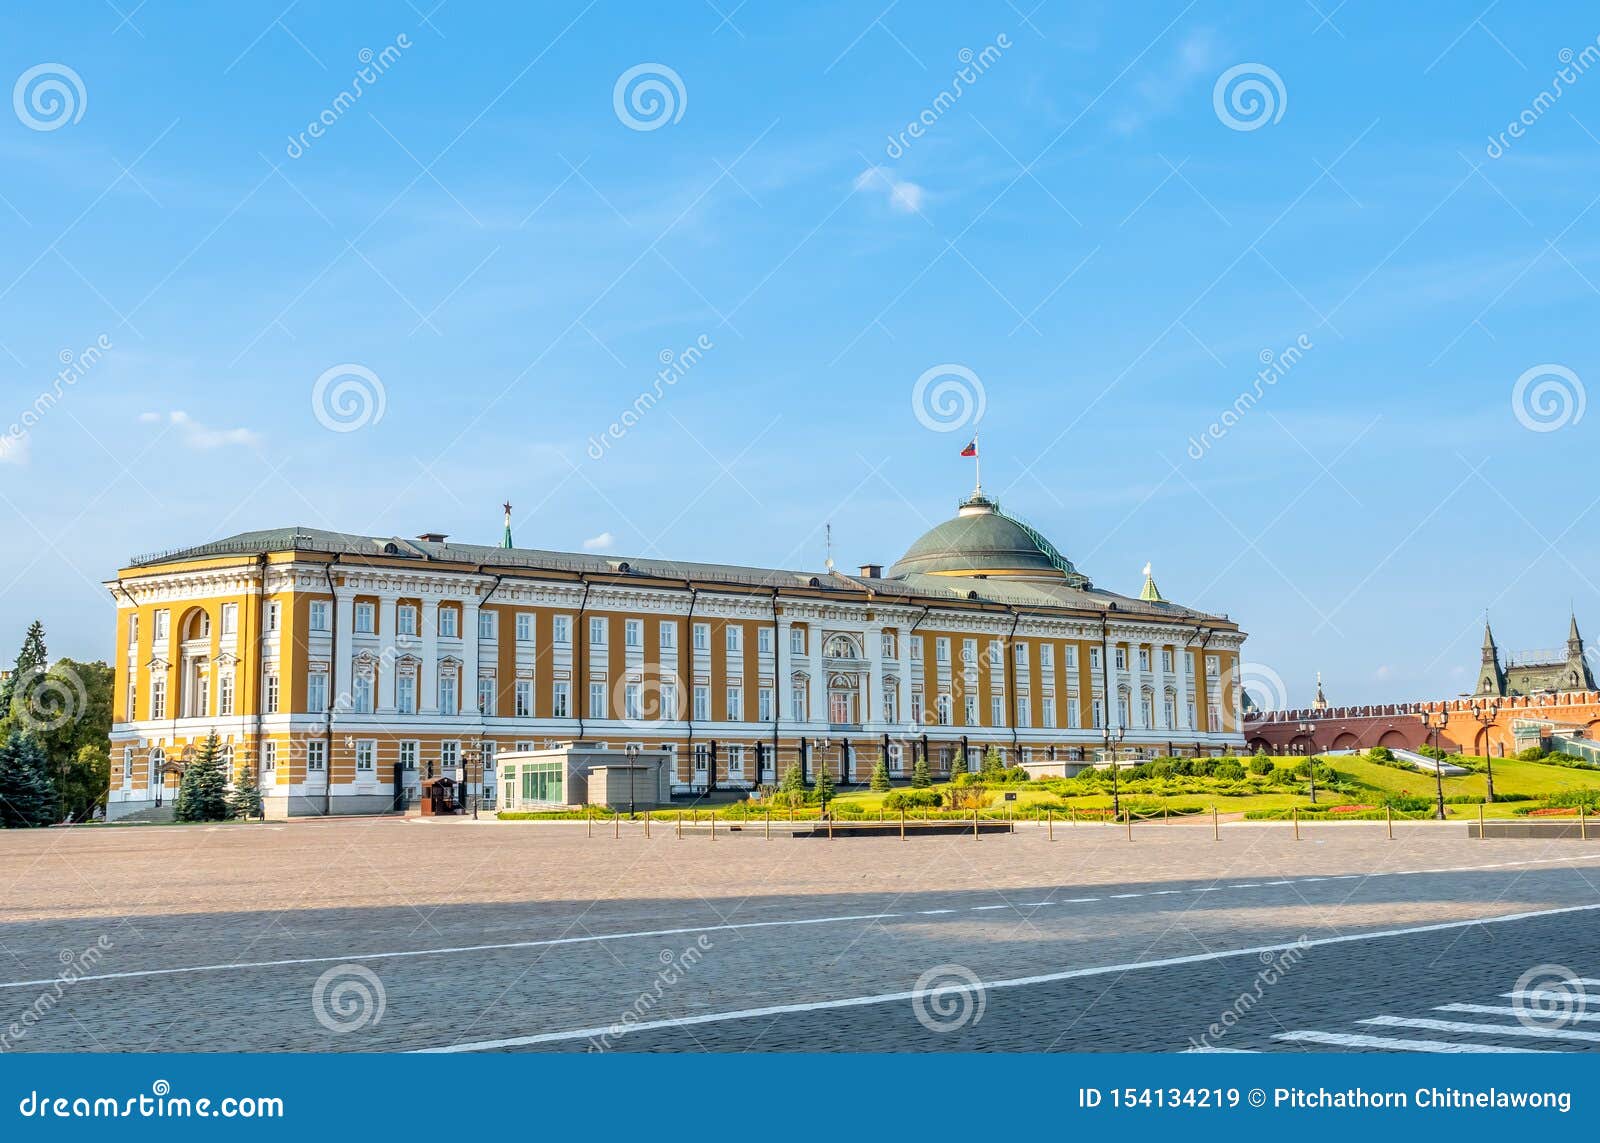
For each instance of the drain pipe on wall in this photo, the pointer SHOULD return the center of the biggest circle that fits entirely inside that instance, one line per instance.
(694, 598)
(333, 663)
(777, 690)
(1011, 684)
(580, 640)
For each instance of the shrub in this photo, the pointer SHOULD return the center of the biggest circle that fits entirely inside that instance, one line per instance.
(1381, 754)
(1261, 765)
(913, 799)
(1532, 754)
(1408, 803)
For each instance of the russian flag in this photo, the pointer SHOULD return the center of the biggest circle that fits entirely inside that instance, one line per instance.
(971, 449)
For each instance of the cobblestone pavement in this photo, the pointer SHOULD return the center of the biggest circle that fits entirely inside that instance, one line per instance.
(388, 934)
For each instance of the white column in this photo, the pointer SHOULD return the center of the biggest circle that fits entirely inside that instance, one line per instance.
(780, 674)
(872, 702)
(819, 682)
(1136, 687)
(469, 656)
(1185, 689)
(1159, 668)
(1113, 708)
(428, 684)
(388, 655)
(345, 638)
(902, 701)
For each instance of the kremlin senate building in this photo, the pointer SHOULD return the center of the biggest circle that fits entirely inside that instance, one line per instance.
(350, 669)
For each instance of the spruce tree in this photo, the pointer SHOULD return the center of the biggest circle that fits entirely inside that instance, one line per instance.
(822, 789)
(31, 660)
(880, 777)
(202, 796)
(794, 780)
(921, 779)
(27, 793)
(244, 801)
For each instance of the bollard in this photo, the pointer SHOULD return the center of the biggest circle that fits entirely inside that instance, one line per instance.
(1051, 824)
(680, 825)
(647, 825)
(1216, 826)
(1481, 835)
(616, 825)
(1388, 815)
(1294, 812)
(588, 823)
(769, 825)
(974, 823)
(1583, 823)
(713, 818)
(902, 825)
(1130, 824)
(829, 816)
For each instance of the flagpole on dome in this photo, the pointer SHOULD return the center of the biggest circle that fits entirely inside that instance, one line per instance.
(977, 463)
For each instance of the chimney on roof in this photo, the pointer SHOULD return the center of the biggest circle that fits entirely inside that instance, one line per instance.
(871, 571)
(432, 537)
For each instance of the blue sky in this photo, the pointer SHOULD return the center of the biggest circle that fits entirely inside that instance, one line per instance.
(1081, 229)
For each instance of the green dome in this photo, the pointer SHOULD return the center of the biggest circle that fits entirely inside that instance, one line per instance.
(981, 540)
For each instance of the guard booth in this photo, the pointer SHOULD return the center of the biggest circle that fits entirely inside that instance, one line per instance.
(439, 797)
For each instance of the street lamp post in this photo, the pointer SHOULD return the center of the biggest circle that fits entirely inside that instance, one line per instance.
(1121, 733)
(632, 753)
(1486, 714)
(472, 755)
(1436, 721)
(1309, 729)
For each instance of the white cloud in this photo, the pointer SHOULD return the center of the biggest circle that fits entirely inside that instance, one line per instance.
(14, 449)
(904, 196)
(200, 436)
(601, 543)
(1171, 85)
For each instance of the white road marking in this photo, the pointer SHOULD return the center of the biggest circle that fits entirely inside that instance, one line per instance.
(593, 938)
(1352, 1040)
(1014, 982)
(1483, 1029)
(1218, 1052)
(1123, 896)
(1493, 1010)
(986, 908)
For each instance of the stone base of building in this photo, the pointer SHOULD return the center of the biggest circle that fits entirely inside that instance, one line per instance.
(140, 811)
(316, 806)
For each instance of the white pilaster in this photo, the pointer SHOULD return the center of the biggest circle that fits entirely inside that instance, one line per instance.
(428, 684)
(388, 656)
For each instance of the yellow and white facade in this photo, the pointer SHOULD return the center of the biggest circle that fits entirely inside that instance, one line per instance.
(338, 664)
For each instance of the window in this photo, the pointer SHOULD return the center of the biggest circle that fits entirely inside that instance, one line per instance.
(363, 692)
(1166, 659)
(916, 707)
(916, 650)
(889, 705)
(1072, 656)
(405, 620)
(319, 615)
(1212, 668)
(597, 700)
(764, 641)
(488, 625)
(225, 695)
(543, 781)
(630, 702)
(1122, 659)
(669, 636)
(449, 755)
(1094, 658)
(272, 694)
(941, 650)
(735, 761)
(524, 627)
(733, 639)
(163, 628)
(896, 758)
(561, 701)
(969, 651)
(269, 756)
(1169, 711)
(970, 710)
(133, 628)
(1213, 717)
(364, 618)
(797, 641)
(1098, 708)
(523, 700)
(563, 630)
(487, 696)
(1024, 711)
(942, 710)
(1048, 713)
(449, 623)
(316, 755)
(366, 760)
(633, 633)
(1047, 656)
(702, 704)
(317, 692)
(1022, 654)
(735, 704)
(1147, 710)
(597, 632)
(764, 704)
(997, 654)
(133, 699)
(406, 691)
(230, 618)
(449, 694)
(886, 645)
(1144, 658)
(702, 756)
(1073, 714)
(408, 757)
(797, 703)
(158, 697)
(1191, 715)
